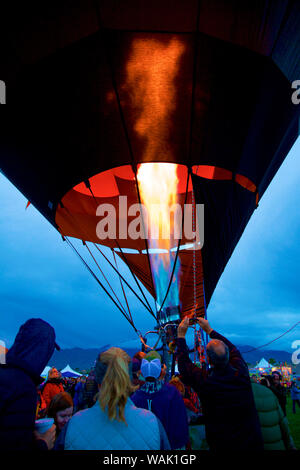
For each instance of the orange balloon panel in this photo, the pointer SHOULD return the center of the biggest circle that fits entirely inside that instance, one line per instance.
(78, 217)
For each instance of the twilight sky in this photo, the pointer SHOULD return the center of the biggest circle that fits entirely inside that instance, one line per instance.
(256, 300)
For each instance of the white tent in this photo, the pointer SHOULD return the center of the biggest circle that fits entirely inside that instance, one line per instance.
(45, 371)
(263, 364)
(69, 372)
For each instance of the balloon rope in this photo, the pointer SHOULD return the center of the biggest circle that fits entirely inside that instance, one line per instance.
(104, 276)
(129, 312)
(194, 82)
(88, 185)
(194, 276)
(134, 277)
(196, 336)
(273, 340)
(100, 283)
(205, 316)
(119, 274)
(84, 236)
(146, 240)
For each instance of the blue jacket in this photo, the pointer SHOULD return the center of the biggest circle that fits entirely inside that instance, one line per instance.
(19, 377)
(167, 404)
(231, 419)
(91, 429)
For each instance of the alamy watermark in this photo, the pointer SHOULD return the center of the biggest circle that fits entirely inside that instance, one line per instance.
(296, 354)
(2, 92)
(296, 94)
(136, 222)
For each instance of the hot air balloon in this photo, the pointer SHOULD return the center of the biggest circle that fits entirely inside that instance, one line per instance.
(115, 104)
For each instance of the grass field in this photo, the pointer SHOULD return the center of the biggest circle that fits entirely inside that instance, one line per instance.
(294, 421)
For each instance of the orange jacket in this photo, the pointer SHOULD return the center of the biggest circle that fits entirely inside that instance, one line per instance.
(50, 390)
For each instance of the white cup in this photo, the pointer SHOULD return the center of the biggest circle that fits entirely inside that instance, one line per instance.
(42, 425)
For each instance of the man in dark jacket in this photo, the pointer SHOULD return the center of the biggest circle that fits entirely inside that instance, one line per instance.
(231, 419)
(19, 378)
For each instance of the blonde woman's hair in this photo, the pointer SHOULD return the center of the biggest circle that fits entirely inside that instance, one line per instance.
(116, 385)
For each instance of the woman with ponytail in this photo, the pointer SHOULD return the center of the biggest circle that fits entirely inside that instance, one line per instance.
(113, 423)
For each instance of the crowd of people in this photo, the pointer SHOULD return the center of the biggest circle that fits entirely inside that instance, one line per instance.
(127, 404)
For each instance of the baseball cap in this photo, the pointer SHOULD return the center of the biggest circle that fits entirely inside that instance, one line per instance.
(151, 368)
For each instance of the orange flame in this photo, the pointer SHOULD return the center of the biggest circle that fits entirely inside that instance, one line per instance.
(151, 72)
(150, 82)
(158, 187)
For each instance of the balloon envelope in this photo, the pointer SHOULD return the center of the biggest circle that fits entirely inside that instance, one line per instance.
(203, 85)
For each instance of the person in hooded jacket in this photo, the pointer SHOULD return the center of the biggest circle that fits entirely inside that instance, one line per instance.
(19, 378)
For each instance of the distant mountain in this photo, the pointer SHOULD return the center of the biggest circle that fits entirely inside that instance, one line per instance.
(77, 358)
(253, 357)
(84, 359)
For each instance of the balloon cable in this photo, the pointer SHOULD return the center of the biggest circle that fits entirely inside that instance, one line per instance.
(273, 340)
(84, 235)
(119, 274)
(134, 277)
(146, 240)
(85, 244)
(88, 185)
(120, 279)
(194, 83)
(100, 283)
